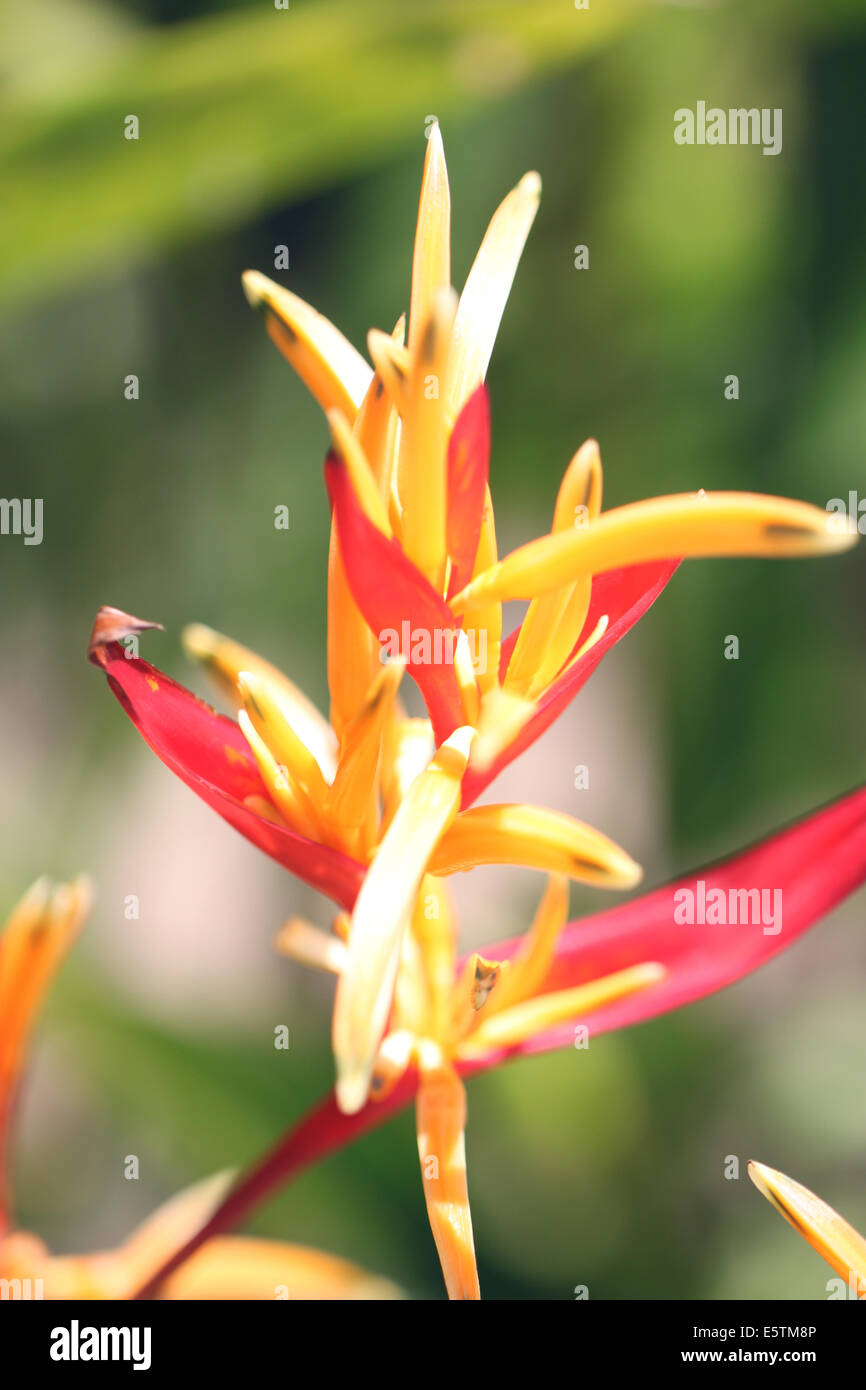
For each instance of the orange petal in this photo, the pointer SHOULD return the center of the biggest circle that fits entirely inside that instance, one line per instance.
(722, 523)
(841, 1246)
(523, 1021)
(487, 287)
(431, 259)
(535, 838)
(331, 369)
(441, 1119)
(382, 911)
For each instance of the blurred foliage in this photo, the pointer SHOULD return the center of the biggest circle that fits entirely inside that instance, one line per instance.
(306, 128)
(236, 109)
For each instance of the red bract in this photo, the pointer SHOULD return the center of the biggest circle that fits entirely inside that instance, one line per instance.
(210, 754)
(468, 463)
(390, 591)
(625, 595)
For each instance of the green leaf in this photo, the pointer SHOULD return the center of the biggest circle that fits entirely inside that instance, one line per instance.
(238, 112)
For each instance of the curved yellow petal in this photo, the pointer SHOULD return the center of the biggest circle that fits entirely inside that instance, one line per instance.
(554, 622)
(421, 472)
(722, 523)
(533, 1016)
(269, 721)
(536, 838)
(331, 369)
(530, 966)
(839, 1244)
(382, 911)
(224, 660)
(487, 287)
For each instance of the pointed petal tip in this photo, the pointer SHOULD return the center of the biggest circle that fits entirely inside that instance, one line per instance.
(112, 624)
(199, 641)
(531, 184)
(766, 1179)
(351, 1090)
(625, 872)
(255, 287)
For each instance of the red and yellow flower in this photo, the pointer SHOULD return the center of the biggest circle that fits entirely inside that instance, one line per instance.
(376, 809)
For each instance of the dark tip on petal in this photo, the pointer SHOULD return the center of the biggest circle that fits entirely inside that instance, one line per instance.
(428, 341)
(279, 324)
(111, 625)
(781, 530)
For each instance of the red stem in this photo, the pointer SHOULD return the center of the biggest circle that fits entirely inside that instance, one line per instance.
(323, 1130)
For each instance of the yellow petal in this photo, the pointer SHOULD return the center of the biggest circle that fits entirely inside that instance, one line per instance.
(411, 1004)
(435, 929)
(502, 715)
(393, 363)
(377, 420)
(301, 941)
(533, 1016)
(484, 625)
(351, 649)
(392, 1060)
(407, 749)
(289, 798)
(530, 966)
(382, 911)
(270, 723)
(554, 622)
(262, 807)
(422, 475)
(488, 285)
(226, 659)
(331, 369)
(431, 259)
(464, 670)
(441, 1119)
(352, 794)
(537, 839)
(243, 1267)
(722, 523)
(841, 1246)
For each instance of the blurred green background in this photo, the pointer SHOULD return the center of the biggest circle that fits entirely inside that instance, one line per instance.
(305, 128)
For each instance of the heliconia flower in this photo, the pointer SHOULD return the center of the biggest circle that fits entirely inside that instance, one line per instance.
(33, 944)
(414, 547)
(558, 986)
(341, 811)
(375, 809)
(320, 806)
(841, 1246)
